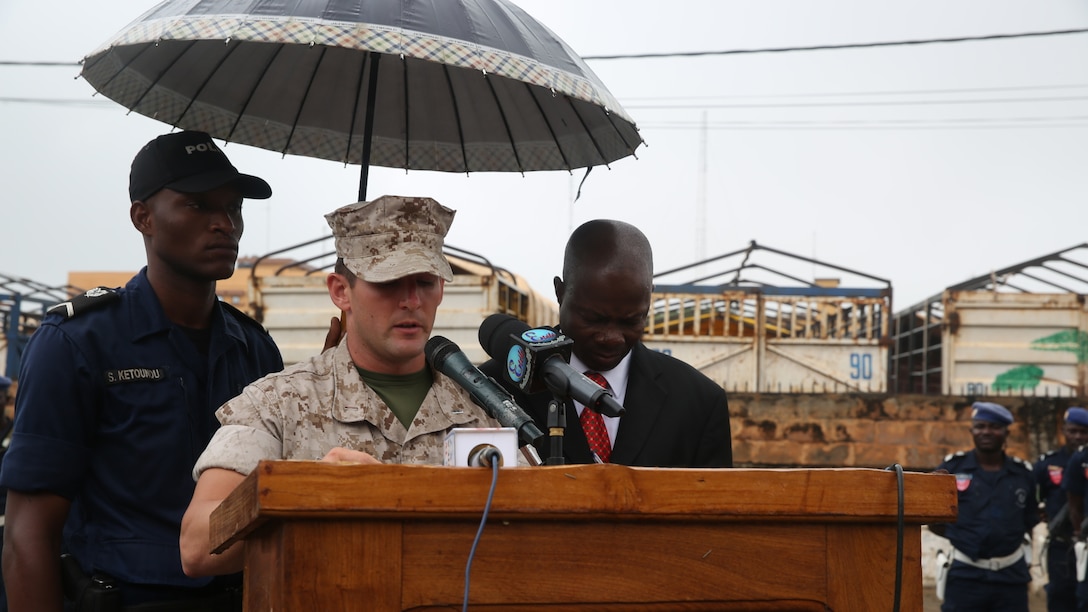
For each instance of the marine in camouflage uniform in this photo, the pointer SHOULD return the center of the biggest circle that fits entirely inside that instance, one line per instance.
(373, 398)
(313, 406)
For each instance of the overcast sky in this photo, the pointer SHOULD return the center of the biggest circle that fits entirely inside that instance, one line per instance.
(923, 164)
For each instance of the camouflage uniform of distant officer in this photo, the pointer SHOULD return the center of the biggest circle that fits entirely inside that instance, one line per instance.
(997, 510)
(372, 398)
(1048, 474)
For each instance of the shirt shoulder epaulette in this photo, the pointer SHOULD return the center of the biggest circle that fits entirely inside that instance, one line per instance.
(243, 318)
(951, 456)
(1024, 464)
(1048, 454)
(84, 302)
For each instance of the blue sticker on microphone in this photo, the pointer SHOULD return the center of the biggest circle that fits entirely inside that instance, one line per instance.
(535, 336)
(517, 365)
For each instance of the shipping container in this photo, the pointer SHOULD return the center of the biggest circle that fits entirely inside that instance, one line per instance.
(753, 334)
(1021, 330)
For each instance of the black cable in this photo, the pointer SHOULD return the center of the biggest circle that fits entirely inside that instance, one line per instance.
(876, 124)
(898, 538)
(39, 63)
(897, 43)
(493, 456)
(894, 43)
(847, 94)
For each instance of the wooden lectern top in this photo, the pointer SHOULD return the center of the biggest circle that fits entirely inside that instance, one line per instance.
(318, 489)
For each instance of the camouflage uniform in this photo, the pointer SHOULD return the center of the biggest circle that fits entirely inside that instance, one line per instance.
(315, 405)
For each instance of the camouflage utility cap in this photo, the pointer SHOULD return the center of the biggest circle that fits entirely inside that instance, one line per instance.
(392, 237)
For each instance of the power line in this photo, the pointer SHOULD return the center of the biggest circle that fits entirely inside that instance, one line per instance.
(898, 43)
(12, 63)
(846, 94)
(61, 102)
(875, 128)
(878, 124)
(866, 103)
(104, 104)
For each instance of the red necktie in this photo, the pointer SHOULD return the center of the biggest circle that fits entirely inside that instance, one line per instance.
(593, 424)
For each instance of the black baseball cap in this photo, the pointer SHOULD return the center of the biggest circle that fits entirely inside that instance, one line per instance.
(188, 162)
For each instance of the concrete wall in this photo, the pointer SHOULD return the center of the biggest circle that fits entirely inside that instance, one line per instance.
(877, 430)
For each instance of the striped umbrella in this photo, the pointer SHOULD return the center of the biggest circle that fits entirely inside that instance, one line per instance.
(465, 86)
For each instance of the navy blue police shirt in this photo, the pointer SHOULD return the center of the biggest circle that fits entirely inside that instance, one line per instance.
(1048, 472)
(115, 404)
(1076, 473)
(996, 510)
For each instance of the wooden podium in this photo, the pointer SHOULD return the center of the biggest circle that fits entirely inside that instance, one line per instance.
(331, 537)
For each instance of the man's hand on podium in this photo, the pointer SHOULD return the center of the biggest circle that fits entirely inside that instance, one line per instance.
(345, 455)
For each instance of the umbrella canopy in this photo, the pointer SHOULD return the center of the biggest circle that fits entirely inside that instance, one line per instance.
(466, 86)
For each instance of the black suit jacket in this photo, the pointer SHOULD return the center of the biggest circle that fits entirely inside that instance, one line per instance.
(676, 416)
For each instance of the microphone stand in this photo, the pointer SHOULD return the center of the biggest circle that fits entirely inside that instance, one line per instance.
(557, 423)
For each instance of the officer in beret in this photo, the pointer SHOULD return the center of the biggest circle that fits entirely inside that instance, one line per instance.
(1058, 549)
(997, 511)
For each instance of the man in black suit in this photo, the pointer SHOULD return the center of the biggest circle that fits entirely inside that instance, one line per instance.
(675, 415)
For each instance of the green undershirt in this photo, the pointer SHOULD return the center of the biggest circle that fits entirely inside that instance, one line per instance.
(403, 393)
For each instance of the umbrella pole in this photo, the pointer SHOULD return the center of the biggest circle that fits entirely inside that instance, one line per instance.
(368, 123)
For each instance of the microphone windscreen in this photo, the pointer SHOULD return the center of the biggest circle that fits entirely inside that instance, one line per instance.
(495, 334)
(437, 350)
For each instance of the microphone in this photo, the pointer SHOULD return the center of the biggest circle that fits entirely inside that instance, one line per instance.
(539, 358)
(446, 357)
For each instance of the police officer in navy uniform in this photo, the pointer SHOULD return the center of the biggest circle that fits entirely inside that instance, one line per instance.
(5, 439)
(117, 397)
(1075, 485)
(997, 511)
(1048, 472)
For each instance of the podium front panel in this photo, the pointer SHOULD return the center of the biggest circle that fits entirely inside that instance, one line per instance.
(397, 538)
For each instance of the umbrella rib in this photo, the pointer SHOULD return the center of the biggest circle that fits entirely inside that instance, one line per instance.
(588, 132)
(551, 130)
(157, 77)
(505, 124)
(192, 98)
(252, 92)
(302, 102)
(368, 123)
(457, 115)
(407, 118)
(87, 68)
(97, 60)
(355, 107)
(612, 120)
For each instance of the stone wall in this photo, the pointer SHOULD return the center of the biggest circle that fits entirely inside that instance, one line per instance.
(874, 430)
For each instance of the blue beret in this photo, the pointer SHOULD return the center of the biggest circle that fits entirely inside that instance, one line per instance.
(5, 382)
(994, 413)
(1077, 416)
